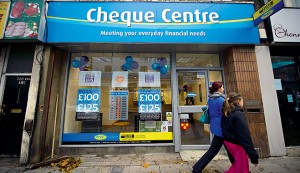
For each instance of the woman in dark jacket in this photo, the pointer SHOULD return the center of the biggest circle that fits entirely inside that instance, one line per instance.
(236, 134)
(215, 104)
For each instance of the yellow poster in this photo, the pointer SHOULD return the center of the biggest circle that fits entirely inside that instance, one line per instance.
(4, 7)
(146, 136)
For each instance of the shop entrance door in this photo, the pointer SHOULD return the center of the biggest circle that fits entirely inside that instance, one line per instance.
(193, 89)
(12, 113)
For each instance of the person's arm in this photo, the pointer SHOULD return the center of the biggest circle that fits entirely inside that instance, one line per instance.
(220, 104)
(243, 135)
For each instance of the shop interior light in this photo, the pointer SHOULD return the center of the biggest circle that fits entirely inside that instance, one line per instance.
(102, 59)
(186, 59)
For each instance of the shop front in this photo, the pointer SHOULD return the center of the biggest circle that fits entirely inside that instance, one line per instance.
(137, 74)
(284, 51)
(20, 34)
(129, 99)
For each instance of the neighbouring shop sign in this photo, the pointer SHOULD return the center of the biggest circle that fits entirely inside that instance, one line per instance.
(88, 104)
(4, 8)
(285, 27)
(147, 22)
(267, 10)
(24, 20)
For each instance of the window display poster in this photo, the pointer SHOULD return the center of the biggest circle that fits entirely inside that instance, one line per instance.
(277, 83)
(201, 75)
(290, 98)
(164, 126)
(118, 105)
(89, 78)
(149, 101)
(149, 79)
(119, 79)
(155, 116)
(88, 103)
(150, 126)
(169, 118)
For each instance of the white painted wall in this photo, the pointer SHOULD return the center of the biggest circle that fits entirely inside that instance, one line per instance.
(270, 103)
(31, 103)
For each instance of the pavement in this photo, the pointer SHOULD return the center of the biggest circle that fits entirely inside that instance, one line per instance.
(153, 163)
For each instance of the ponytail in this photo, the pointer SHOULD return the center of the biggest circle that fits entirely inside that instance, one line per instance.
(227, 106)
(230, 102)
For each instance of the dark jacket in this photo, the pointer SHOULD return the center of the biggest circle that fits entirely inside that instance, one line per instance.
(235, 130)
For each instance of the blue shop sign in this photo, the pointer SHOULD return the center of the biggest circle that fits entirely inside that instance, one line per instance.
(148, 22)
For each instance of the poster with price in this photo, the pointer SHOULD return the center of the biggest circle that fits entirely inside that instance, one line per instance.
(149, 104)
(118, 105)
(88, 104)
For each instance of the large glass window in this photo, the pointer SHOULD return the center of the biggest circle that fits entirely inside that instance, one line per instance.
(118, 98)
(288, 92)
(21, 56)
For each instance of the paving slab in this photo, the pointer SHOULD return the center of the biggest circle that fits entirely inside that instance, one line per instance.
(157, 163)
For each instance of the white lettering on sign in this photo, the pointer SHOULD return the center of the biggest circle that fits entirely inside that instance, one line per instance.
(167, 16)
(84, 97)
(149, 108)
(114, 16)
(197, 16)
(149, 97)
(87, 108)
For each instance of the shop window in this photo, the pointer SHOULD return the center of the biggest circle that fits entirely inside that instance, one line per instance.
(20, 56)
(118, 98)
(197, 60)
(215, 76)
(287, 85)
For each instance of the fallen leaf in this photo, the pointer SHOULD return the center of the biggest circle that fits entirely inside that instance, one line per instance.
(146, 165)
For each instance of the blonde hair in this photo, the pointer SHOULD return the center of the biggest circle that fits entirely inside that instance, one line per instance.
(230, 102)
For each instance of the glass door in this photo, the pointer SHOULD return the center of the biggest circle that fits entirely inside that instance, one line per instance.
(192, 97)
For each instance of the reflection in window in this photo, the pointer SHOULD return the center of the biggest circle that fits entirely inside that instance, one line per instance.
(215, 76)
(197, 60)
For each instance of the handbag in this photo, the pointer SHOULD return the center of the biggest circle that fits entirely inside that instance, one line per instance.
(205, 116)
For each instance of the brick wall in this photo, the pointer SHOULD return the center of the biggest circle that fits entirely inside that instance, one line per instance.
(241, 75)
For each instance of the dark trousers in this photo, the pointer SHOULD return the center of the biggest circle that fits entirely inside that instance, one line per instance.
(213, 150)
